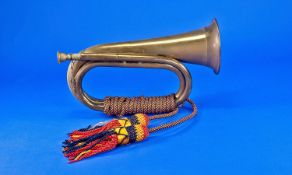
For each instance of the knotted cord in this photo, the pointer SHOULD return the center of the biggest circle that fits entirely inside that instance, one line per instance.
(163, 106)
(174, 123)
(86, 142)
(120, 106)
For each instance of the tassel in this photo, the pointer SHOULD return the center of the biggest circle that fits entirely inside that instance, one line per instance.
(86, 142)
(102, 126)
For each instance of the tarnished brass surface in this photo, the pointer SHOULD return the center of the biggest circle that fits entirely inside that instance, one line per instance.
(200, 47)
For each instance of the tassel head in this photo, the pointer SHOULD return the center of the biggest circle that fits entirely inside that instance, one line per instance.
(131, 134)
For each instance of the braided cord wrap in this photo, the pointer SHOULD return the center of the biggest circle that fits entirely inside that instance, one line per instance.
(120, 106)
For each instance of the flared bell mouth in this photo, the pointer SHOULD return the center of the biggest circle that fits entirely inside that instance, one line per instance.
(214, 50)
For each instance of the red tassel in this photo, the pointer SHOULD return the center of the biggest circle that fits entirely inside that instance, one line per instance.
(109, 143)
(89, 131)
(89, 141)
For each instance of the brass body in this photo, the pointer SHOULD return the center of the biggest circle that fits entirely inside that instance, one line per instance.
(200, 47)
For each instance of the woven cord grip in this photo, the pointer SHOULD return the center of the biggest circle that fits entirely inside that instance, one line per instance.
(120, 106)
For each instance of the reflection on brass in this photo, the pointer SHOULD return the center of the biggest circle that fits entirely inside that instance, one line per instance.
(200, 47)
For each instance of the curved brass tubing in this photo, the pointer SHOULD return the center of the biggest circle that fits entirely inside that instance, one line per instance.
(78, 69)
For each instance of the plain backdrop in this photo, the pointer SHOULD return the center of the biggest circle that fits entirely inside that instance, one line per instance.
(245, 113)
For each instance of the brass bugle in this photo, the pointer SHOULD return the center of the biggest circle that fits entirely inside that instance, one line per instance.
(200, 47)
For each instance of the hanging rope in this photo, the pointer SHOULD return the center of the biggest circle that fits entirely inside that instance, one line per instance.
(86, 142)
(174, 123)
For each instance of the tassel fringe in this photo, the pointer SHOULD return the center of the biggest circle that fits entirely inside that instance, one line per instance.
(86, 142)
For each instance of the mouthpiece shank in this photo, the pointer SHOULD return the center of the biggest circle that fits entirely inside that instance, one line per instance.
(63, 57)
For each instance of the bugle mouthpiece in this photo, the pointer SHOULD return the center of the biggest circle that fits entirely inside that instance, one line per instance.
(63, 57)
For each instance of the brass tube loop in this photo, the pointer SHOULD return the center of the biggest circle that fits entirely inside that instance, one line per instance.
(78, 69)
